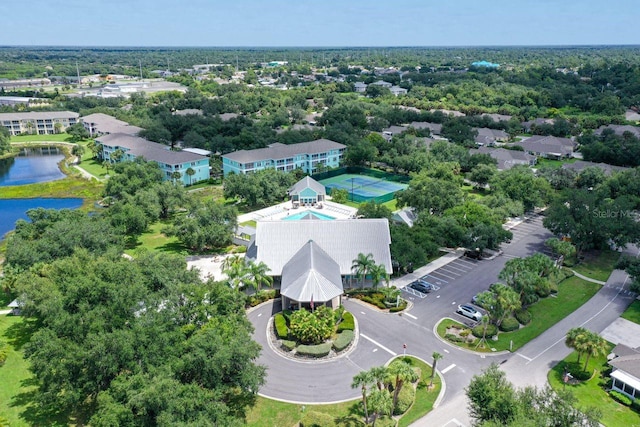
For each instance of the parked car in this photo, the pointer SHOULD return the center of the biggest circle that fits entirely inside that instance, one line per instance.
(470, 312)
(421, 286)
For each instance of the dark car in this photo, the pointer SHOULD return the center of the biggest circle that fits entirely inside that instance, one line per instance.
(421, 286)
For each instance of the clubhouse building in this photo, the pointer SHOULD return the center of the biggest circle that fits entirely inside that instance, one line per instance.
(306, 156)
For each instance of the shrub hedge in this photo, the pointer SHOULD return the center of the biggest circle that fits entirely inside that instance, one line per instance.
(319, 350)
(635, 405)
(260, 297)
(405, 399)
(523, 316)
(454, 338)
(281, 326)
(576, 371)
(288, 345)
(386, 421)
(402, 306)
(620, 397)
(509, 324)
(343, 340)
(478, 330)
(348, 322)
(317, 419)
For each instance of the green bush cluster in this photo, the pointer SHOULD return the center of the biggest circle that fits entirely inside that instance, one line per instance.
(260, 297)
(343, 340)
(348, 322)
(319, 350)
(288, 345)
(523, 316)
(509, 324)
(454, 338)
(478, 330)
(4, 352)
(405, 399)
(317, 419)
(281, 326)
(621, 397)
(402, 306)
(576, 371)
(635, 405)
(376, 298)
(386, 421)
(312, 328)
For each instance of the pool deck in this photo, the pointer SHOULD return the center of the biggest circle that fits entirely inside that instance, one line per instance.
(282, 210)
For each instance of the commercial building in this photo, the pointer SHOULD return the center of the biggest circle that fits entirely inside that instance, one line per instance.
(306, 156)
(130, 147)
(38, 123)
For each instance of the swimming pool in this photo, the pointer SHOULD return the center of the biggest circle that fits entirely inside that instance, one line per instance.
(307, 215)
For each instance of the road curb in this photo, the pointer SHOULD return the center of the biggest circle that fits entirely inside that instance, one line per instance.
(479, 353)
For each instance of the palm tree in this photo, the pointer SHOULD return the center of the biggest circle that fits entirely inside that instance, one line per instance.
(78, 151)
(509, 301)
(363, 380)
(402, 372)
(57, 127)
(30, 126)
(257, 275)
(378, 273)
(230, 261)
(117, 155)
(379, 374)
(380, 403)
(106, 164)
(236, 271)
(176, 176)
(575, 339)
(595, 346)
(436, 356)
(190, 172)
(362, 265)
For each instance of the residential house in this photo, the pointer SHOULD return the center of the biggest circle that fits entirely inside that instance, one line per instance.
(397, 90)
(498, 117)
(489, 137)
(620, 130)
(529, 125)
(312, 258)
(453, 113)
(360, 87)
(188, 112)
(435, 128)
(225, 117)
(626, 370)
(305, 155)
(169, 161)
(391, 131)
(506, 158)
(104, 124)
(580, 165)
(405, 216)
(632, 116)
(38, 123)
(382, 83)
(550, 147)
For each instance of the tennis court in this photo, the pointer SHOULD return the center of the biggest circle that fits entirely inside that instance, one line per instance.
(362, 188)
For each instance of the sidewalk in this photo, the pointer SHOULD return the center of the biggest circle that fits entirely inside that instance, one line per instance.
(432, 266)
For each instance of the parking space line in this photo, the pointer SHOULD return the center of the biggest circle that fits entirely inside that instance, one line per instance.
(456, 268)
(461, 265)
(411, 315)
(442, 274)
(466, 262)
(378, 344)
(437, 279)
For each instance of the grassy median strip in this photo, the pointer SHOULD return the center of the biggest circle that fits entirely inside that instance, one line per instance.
(591, 392)
(572, 293)
(632, 313)
(425, 397)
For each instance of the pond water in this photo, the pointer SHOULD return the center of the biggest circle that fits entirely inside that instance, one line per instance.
(12, 210)
(30, 166)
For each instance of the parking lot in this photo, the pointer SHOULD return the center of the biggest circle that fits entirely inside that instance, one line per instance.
(444, 275)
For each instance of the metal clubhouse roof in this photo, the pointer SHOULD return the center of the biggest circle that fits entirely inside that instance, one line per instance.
(277, 242)
(311, 274)
(281, 151)
(308, 182)
(149, 150)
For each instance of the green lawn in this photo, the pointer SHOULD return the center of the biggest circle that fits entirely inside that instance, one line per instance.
(71, 186)
(474, 193)
(591, 393)
(572, 293)
(632, 313)
(542, 162)
(272, 413)
(155, 240)
(60, 137)
(17, 403)
(598, 265)
(250, 223)
(93, 166)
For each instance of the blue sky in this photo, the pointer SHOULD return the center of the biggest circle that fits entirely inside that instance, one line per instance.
(318, 22)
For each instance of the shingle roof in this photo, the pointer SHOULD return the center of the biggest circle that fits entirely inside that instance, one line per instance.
(492, 133)
(311, 274)
(548, 144)
(506, 158)
(281, 151)
(105, 123)
(435, 128)
(620, 129)
(308, 182)
(580, 165)
(278, 241)
(39, 115)
(396, 130)
(149, 150)
(629, 364)
(499, 117)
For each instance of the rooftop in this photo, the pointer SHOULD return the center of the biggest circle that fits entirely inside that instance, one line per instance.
(40, 115)
(282, 151)
(105, 123)
(149, 150)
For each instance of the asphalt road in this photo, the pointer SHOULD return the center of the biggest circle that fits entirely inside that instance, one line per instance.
(382, 336)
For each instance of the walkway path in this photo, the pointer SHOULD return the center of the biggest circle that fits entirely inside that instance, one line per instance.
(86, 174)
(588, 279)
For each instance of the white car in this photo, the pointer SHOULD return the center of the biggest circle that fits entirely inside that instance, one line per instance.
(470, 312)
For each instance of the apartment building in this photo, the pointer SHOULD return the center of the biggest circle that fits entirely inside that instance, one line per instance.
(38, 123)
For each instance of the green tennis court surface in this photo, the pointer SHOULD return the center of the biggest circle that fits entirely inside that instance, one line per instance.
(363, 188)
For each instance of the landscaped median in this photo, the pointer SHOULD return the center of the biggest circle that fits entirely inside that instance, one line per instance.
(572, 293)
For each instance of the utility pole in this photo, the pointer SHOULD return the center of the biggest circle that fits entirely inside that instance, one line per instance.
(78, 72)
(140, 62)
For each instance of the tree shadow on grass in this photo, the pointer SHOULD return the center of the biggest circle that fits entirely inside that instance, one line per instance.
(20, 333)
(34, 413)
